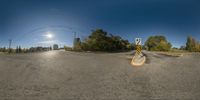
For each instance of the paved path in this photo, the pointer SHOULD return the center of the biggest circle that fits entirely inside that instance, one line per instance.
(60, 75)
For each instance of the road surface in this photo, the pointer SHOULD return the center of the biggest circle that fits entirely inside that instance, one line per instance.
(63, 75)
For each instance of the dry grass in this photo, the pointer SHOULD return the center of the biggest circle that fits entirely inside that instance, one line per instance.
(174, 53)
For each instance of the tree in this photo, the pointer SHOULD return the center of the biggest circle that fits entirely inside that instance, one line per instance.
(99, 40)
(157, 43)
(189, 44)
(20, 49)
(192, 45)
(4, 49)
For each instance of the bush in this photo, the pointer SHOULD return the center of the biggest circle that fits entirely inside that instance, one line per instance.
(67, 48)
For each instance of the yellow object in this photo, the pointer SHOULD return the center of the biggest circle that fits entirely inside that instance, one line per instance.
(138, 49)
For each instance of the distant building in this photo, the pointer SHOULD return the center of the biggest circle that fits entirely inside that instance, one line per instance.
(55, 47)
(77, 42)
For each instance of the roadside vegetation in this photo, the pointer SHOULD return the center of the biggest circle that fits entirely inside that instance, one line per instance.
(192, 45)
(99, 40)
(24, 50)
(68, 48)
(160, 43)
(157, 43)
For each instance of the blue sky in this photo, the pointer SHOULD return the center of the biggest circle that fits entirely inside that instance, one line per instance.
(27, 22)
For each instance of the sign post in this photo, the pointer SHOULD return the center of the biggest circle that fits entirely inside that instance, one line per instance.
(138, 43)
(138, 59)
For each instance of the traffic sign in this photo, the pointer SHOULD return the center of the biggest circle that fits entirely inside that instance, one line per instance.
(138, 41)
(138, 58)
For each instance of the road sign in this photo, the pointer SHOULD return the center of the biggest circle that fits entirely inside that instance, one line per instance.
(138, 49)
(138, 41)
(138, 58)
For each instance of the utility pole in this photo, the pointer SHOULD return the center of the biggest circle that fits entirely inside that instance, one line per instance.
(10, 42)
(74, 42)
(74, 35)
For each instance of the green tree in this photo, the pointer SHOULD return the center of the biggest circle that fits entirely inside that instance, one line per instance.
(99, 40)
(157, 43)
(192, 45)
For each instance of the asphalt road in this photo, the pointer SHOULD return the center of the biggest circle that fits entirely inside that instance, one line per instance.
(61, 75)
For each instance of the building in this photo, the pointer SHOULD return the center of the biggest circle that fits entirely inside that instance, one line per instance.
(77, 42)
(55, 47)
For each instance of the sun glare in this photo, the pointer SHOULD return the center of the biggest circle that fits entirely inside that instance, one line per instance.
(49, 35)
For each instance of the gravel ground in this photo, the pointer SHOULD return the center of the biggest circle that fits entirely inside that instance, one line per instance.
(61, 75)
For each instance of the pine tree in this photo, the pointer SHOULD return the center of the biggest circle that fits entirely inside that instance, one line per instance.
(20, 50)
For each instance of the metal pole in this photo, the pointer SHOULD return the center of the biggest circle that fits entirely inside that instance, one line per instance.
(10, 42)
(74, 42)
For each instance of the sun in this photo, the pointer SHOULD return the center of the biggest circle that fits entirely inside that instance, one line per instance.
(49, 35)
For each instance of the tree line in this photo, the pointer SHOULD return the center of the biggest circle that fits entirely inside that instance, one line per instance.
(160, 43)
(25, 50)
(99, 40)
